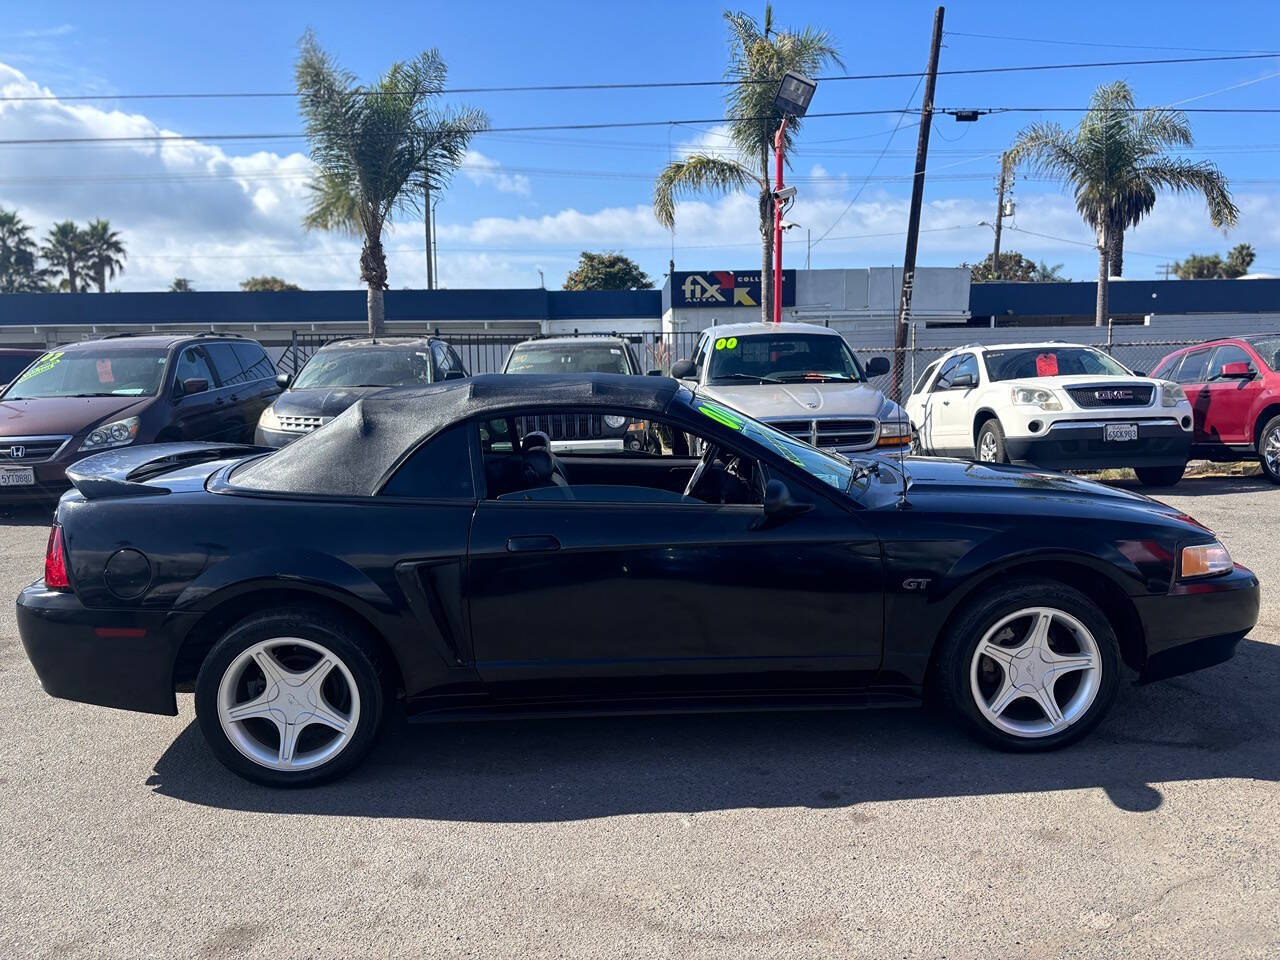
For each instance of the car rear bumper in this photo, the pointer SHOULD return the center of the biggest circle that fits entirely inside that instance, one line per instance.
(1197, 624)
(112, 658)
(1079, 446)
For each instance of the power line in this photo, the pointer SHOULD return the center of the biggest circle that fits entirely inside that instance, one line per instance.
(1084, 43)
(647, 85)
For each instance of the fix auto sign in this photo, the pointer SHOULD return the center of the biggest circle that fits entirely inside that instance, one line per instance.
(725, 288)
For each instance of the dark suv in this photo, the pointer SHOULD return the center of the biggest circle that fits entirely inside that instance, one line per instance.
(84, 398)
(583, 433)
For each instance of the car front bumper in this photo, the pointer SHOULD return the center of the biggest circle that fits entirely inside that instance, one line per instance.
(276, 438)
(1197, 624)
(1081, 445)
(112, 658)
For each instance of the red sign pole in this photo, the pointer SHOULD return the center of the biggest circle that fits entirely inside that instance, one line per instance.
(777, 224)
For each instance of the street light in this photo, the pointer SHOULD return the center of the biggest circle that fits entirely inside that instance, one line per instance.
(795, 91)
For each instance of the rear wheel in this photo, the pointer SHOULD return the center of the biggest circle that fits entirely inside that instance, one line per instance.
(1269, 450)
(1033, 666)
(291, 698)
(991, 443)
(1160, 476)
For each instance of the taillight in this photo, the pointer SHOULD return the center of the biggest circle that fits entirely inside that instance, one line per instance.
(55, 562)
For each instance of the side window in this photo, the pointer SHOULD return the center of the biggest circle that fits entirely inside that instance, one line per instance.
(226, 363)
(1195, 366)
(257, 366)
(924, 377)
(1163, 371)
(944, 375)
(1227, 353)
(438, 470)
(192, 365)
(968, 365)
(700, 355)
(457, 362)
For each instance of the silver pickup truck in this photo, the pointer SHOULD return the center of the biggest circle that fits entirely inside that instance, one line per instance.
(802, 379)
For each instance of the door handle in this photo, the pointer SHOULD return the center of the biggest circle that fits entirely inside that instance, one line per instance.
(543, 542)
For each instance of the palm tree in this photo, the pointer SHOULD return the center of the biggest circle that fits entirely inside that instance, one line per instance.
(20, 272)
(758, 60)
(376, 149)
(104, 253)
(1115, 162)
(64, 250)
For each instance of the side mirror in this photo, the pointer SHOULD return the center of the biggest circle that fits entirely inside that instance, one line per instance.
(877, 366)
(963, 382)
(283, 380)
(455, 375)
(779, 506)
(1139, 373)
(655, 373)
(1238, 371)
(194, 385)
(684, 370)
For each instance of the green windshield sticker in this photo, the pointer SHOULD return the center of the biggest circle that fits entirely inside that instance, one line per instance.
(43, 365)
(720, 415)
(720, 343)
(783, 449)
(731, 343)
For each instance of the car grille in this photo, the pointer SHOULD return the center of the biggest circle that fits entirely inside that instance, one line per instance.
(29, 449)
(565, 426)
(301, 424)
(841, 434)
(1092, 398)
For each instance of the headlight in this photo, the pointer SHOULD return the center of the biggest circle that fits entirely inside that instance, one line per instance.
(1036, 397)
(269, 420)
(613, 422)
(894, 433)
(1171, 394)
(1204, 560)
(118, 434)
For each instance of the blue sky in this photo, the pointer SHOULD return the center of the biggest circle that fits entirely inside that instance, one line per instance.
(219, 211)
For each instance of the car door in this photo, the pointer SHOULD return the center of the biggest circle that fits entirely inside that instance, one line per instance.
(260, 387)
(232, 394)
(917, 403)
(1228, 415)
(196, 416)
(646, 592)
(949, 415)
(1192, 374)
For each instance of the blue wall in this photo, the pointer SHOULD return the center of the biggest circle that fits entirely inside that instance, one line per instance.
(1125, 297)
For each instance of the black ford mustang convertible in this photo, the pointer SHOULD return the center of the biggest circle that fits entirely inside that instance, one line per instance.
(427, 546)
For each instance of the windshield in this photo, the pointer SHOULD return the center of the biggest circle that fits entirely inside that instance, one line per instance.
(83, 373)
(576, 358)
(1031, 362)
(366, 367)
(835, 471)
(1268, 348)
(783, 358)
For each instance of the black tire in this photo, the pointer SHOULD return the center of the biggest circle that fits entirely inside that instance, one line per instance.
(351, 647)
(993, 434)
(1160, 476)
(1270, 433)
(952, 681)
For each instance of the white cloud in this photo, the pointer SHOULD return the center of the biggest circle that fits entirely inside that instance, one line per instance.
(485, 171)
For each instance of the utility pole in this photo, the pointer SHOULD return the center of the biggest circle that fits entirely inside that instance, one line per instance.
(435, 247)
(917, 198)
(1004, 182)
(426, 226)
(1165, 268)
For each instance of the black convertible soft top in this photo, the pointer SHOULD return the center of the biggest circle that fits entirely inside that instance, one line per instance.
(353, 455)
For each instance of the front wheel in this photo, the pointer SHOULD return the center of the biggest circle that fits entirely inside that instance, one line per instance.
(1033, 666)
(991, 443)
(1269, 450)
(1160, 476)
(290, 698)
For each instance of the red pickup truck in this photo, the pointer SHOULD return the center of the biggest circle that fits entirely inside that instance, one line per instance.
(1234, 388)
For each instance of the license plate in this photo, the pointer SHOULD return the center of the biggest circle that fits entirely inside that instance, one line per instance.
(1120, 431)
(17, 477)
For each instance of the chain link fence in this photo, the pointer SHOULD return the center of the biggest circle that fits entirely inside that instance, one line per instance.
(487, 352)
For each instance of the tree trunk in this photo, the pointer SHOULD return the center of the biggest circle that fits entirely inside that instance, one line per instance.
(1104, 266)
(1117, 252)
(373, 271)
(71, 276)
(102, 278)
(376, 315)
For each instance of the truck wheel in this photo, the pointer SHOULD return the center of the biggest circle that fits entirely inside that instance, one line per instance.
(1159, 476)
(1034, 665)
(1269, 450)
(991, 443)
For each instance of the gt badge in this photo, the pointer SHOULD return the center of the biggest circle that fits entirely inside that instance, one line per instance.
(916, 583)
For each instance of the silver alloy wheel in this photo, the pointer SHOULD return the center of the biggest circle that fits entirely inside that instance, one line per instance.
(258, 692)
(987, 451)
(1015, 662)
(1271, 451)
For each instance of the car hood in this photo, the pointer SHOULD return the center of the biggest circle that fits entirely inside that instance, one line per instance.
(994, 486)
(769, 401)
(320, 401)
(1080, 380)
(51, 416)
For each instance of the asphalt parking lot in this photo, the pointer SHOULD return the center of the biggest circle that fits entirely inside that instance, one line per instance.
(876, 834)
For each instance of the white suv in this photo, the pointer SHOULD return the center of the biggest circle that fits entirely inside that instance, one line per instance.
(1062, 406)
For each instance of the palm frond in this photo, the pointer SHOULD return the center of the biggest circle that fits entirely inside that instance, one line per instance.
(1192, 176)
(697, 173)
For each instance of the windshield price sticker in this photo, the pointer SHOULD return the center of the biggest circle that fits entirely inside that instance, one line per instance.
(727, 343)
(43, 365)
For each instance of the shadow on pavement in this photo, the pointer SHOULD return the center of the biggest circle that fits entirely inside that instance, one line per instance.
(1199, 486)
(36, 514)
(1219, 723)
